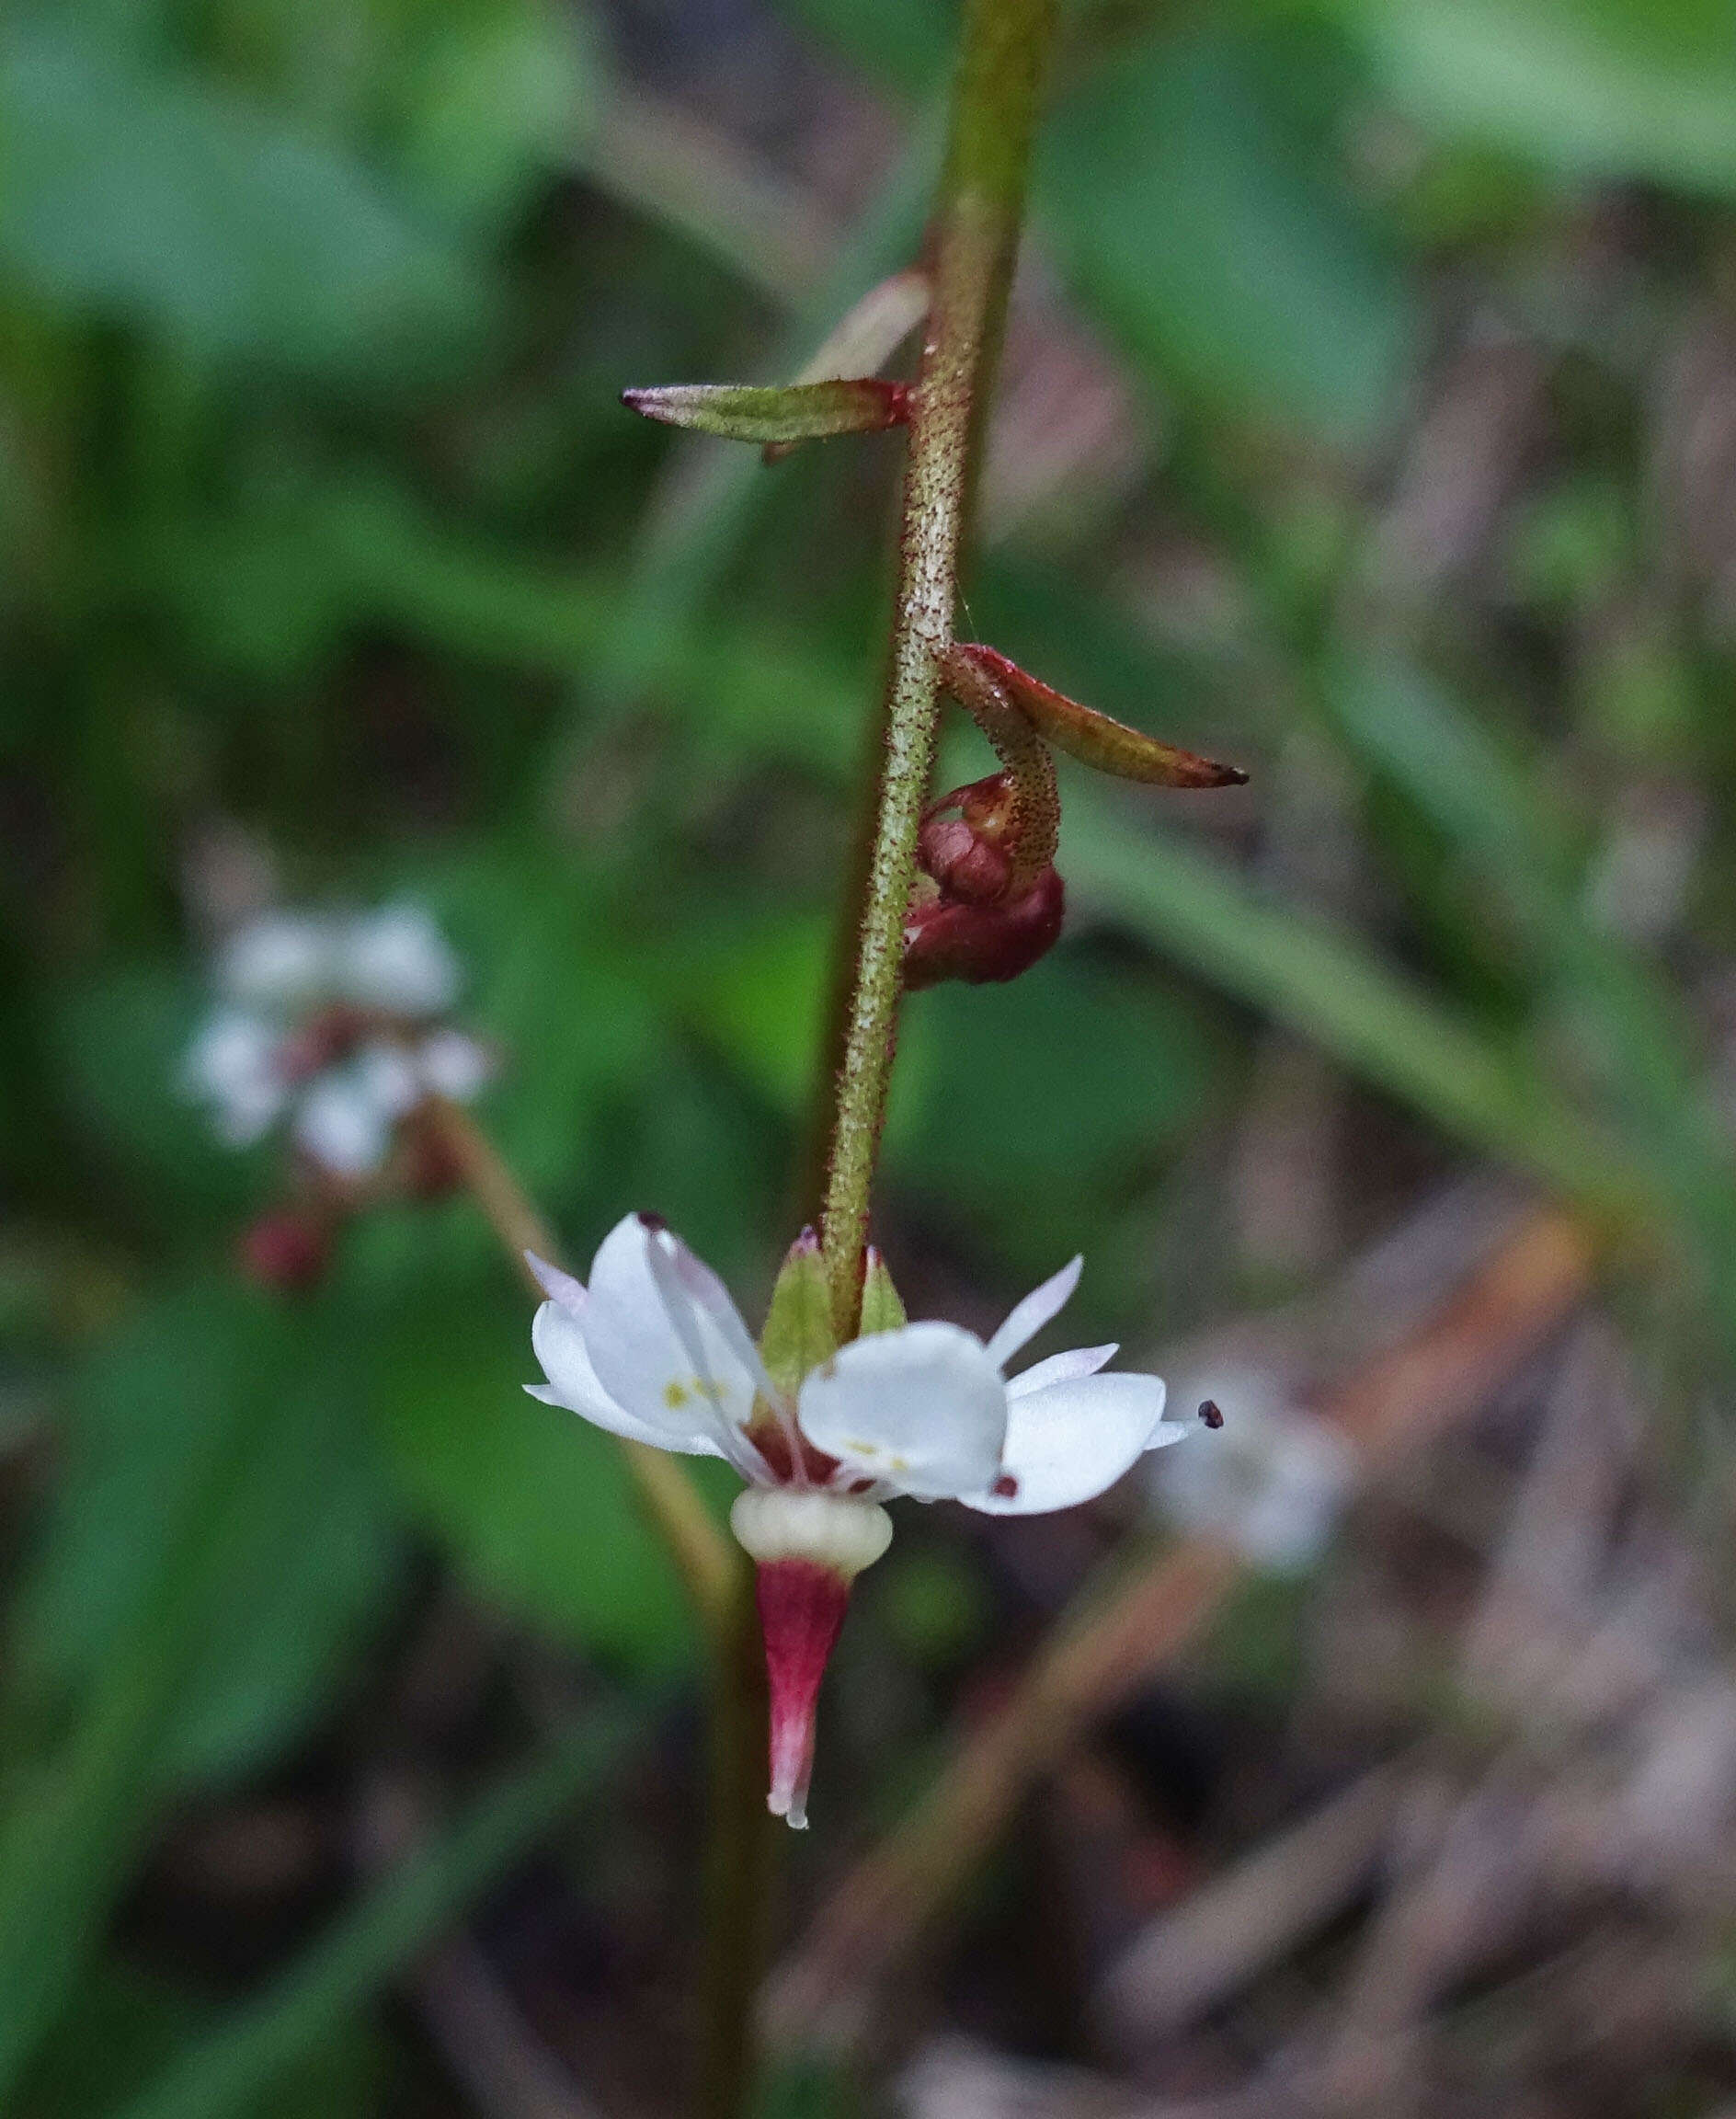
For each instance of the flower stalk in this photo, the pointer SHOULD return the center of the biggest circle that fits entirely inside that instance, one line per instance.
(972, 243)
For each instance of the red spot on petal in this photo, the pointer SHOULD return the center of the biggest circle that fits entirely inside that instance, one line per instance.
(1006, 1486)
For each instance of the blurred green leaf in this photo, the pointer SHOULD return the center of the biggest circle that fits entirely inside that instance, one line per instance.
(535, 1503)
(303, 1548)
(135, 193)
(379, 1938)
(908, 44)
(1190, 213)
(125, 2029)
(118, 1045)
(200, 1660)
(1324, 984)
(1063, 1087)
(1606, 88)
(497, 97)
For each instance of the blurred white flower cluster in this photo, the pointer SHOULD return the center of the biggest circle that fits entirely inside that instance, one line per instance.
(330, 1023)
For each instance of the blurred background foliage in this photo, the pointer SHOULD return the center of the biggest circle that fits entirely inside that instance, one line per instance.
(1367, 419)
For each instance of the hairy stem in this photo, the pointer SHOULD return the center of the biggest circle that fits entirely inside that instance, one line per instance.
(972, 241)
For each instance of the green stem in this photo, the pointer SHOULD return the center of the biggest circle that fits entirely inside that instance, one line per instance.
(972, 243)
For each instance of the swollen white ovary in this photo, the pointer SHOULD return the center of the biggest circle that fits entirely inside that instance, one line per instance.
(831, 1530)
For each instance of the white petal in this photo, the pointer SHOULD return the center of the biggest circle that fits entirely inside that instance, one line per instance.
(453, 1065)
(560, 1347)
(282, 961)
(232, 1064)
(1069, 1442)
(1029, 1317)
(648, 1363)
(1062, 1369)
(339, 1124)
(677, 1268)
(387, 1073)
(557, 1285)
(922, 1408)
(397, 959)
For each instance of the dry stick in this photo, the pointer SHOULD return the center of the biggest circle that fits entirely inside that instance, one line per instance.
(1126, 1630)
(738, 1833)
(973, 241)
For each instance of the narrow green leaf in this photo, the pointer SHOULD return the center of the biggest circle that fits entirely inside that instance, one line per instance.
(379, 1939)
(1323, 985)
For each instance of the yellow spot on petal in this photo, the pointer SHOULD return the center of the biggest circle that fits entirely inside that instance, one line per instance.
(860, 1448)
(676, 1395)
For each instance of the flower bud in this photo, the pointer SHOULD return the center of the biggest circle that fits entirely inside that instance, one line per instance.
(967, 854)
(286, 1251)
(981, 944)
(809, 1547)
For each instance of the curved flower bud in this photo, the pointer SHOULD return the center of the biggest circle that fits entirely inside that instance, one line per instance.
(982, 944)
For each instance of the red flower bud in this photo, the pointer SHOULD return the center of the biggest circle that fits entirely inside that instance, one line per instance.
(947, 938)
(286, 1250)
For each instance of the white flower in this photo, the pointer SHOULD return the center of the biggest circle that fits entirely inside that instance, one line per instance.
(279, 961)
(397, 960)
(1271, 1483)
(328, 1021)
(232, 1066)
(654, 1350)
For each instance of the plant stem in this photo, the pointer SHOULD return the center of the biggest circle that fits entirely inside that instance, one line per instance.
(720, 1581)
(972, 241)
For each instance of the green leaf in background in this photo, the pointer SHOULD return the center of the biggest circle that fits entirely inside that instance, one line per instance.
(497, 96)
(305, 1550)
(202, 1660)
(1184, 211)
(1051, 1088)
(278, 2039)
(1323, 984)
(118, 1045)
(131, 192)
(1598, 89)
(124, 2029)
(533, 1502)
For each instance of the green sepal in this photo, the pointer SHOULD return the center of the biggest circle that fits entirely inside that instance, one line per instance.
(798, 1335)
(882, 1307)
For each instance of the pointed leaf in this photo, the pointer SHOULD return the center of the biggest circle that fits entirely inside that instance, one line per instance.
(798, 1335)
(1092, 738)
(791, 412)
